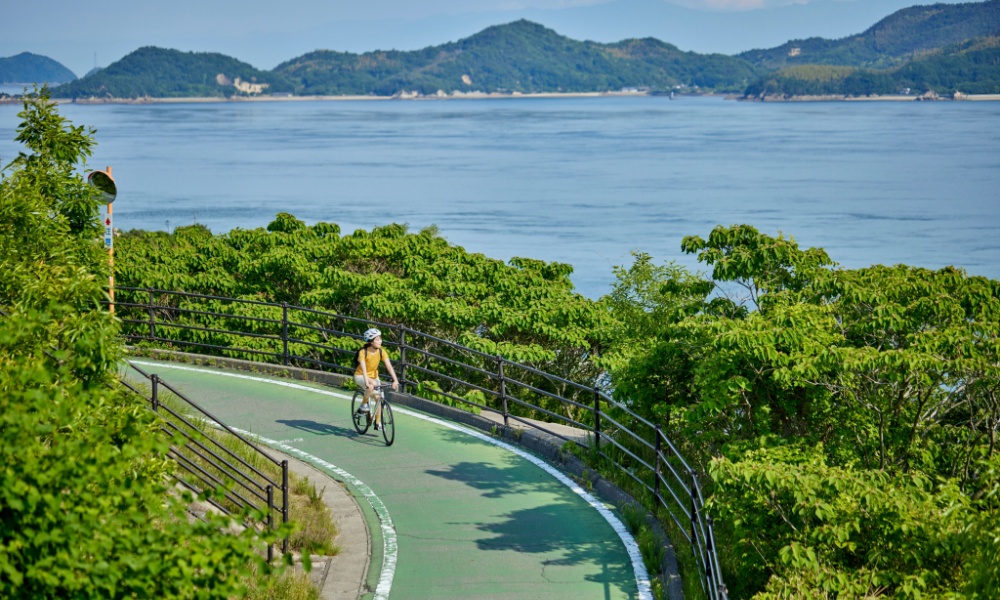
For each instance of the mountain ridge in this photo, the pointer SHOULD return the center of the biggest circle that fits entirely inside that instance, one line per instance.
(526, 57)
(29, 68)
(521, 56)
(167, 73)
(890, 41)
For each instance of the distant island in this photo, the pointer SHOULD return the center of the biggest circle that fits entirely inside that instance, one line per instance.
(29, 68)
(925, 51)
(922, 52)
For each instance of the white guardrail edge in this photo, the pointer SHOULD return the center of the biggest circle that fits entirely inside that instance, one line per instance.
(388, 531)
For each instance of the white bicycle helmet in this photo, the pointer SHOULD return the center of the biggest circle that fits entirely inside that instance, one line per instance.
(371, 334)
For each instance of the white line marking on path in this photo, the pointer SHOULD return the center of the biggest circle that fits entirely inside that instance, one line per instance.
(389, 543)
(641, 575)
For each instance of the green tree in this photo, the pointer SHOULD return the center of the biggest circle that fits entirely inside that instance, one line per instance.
(919, 358)
(758, 263)
(85, 509)
(847, 418)
(806, 529)
(525, 310)
(55, 147)
(648, 355)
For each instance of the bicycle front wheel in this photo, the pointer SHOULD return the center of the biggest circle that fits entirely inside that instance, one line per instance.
(388, 425)
(362, 420)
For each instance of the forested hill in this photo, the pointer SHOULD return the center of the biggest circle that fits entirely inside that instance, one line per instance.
(30, 68)
(944, 48)
(517, 57)
(902, 36)
(163, 73)
(972, 67)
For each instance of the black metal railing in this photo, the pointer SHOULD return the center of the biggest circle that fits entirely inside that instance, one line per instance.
(441, 370)
(207, 462)
(221, 463)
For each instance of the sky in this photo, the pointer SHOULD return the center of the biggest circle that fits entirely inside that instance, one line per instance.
(265, 33)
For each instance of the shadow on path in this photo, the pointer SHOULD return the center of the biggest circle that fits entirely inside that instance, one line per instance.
(318, 428)
(496, 482)
(553, 529)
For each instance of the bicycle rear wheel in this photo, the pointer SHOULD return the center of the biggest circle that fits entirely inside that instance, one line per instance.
(362, 420)
(388, 425)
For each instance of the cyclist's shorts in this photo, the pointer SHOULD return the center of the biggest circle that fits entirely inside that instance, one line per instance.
(360, 380)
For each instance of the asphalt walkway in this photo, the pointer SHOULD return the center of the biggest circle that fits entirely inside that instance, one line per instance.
(449, 511)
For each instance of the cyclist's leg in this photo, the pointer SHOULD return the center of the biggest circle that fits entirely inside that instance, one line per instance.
(377, 407)
(366, 401)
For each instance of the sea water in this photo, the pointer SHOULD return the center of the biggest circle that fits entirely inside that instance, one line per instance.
(583, 181)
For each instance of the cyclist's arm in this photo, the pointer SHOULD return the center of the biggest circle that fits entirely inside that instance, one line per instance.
(392, 372)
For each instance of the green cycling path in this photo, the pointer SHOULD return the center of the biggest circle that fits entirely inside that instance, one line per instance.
(462, 516)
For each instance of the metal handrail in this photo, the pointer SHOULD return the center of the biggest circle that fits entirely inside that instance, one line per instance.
(227, 464)
(221, 464)
(644, 453)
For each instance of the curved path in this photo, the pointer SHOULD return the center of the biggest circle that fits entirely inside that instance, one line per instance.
(462, 515)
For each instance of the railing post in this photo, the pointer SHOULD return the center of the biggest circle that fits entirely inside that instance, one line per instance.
(270, 523)
(402, 359)
(284, 333)
(284, 502)
(656, 467)
(597, 419)
(152, 317)
(503, 393)
(713, 584)
(694, 514)
(154, 379)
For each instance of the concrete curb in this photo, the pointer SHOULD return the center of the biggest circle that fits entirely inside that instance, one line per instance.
(339, 577)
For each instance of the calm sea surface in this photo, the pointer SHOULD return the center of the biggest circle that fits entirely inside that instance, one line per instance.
(581, 181)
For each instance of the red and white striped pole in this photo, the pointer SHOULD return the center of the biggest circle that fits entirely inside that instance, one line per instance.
(105, 183)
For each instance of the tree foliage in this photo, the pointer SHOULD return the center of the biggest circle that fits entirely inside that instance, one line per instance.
(848, 418)
(972, 68)
(525, 310)
(805, 529)
(84, 506)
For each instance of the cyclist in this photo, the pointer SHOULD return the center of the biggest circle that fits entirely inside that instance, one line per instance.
(366, 370)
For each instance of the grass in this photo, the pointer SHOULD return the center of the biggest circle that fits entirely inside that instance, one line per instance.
(315, 527)
(284, 585)
(316, 530)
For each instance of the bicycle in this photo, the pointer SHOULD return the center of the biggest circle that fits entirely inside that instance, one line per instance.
(363, 420)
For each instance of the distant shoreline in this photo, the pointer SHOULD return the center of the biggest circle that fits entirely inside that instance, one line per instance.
(495, 96)
(886, 98)
(464, 96)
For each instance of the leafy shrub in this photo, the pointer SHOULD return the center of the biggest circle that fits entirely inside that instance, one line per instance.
(84, 511)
